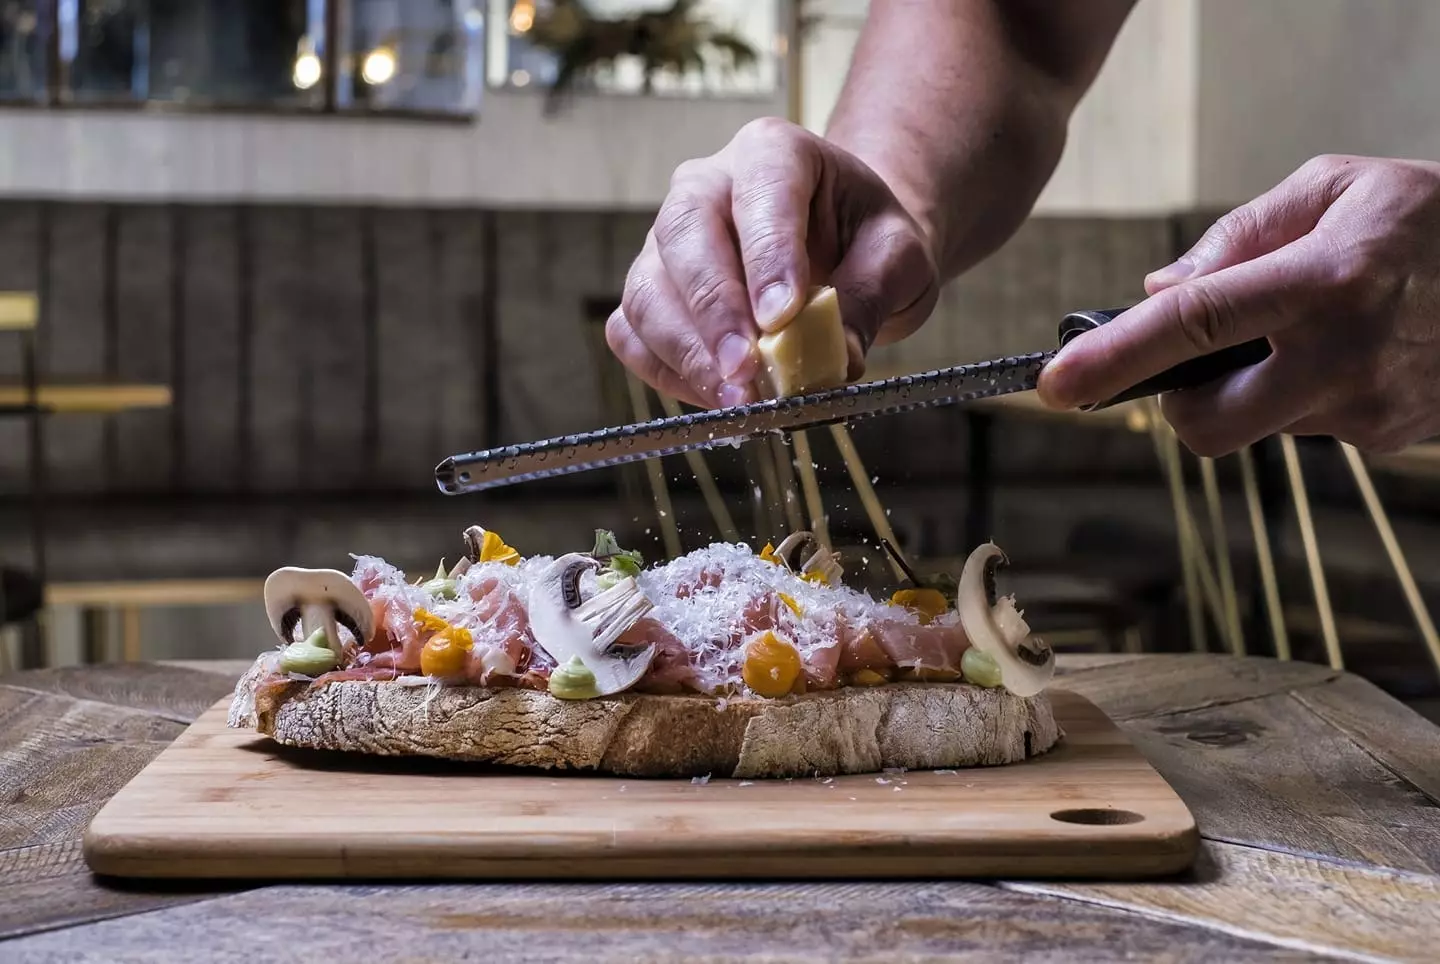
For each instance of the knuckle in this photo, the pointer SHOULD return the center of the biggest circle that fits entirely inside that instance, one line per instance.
(696, 365)
(1234, 227)
(767, 128)
(1325, 165)
(679, 216)
(688, 171)
(617, 332)
(639, 298)
(1203, 317)
(769, 252)
(711, 292)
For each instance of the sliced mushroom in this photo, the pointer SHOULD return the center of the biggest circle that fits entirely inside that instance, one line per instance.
(822, 561)
(315, 599)
(567, 627)
(998, 629)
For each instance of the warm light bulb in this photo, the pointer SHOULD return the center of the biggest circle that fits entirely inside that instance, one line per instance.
(520, 78)
(307, 71)
(379, 66)
(522, 17)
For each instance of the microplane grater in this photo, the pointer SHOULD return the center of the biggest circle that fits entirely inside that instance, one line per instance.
(582, 452)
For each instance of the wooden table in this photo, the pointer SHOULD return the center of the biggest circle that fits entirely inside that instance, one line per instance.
(1316, 795)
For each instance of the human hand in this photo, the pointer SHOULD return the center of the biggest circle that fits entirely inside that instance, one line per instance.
(742, 237)
(1339, 267)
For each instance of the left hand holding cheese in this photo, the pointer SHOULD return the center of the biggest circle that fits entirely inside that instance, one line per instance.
(1336, 267)
(741, 241)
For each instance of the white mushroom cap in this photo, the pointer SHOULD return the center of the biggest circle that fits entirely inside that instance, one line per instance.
(317, 598)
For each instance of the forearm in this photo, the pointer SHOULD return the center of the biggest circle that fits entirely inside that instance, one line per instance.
(962, 107)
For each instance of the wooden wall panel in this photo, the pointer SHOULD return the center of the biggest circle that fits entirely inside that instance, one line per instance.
(143, 348)
(75, 342)
(208, 381)
(275, 371)
(19, 234)
(414, 349)
(465, 321)
(334, 336)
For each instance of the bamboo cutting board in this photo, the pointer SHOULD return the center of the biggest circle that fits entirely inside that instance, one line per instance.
(224, 803)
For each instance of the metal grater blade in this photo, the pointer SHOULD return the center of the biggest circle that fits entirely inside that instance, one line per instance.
(569, 454)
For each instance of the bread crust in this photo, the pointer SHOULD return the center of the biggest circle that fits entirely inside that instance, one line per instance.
(849, 730)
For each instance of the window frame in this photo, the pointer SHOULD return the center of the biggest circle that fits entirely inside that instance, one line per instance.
(58, 95)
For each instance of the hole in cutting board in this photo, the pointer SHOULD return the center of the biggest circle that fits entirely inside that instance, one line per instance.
(1097, 817)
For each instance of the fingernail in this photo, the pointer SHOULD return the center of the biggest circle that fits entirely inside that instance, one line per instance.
(773, 304)
(734, 355)
(1171, 273)
(732, 395)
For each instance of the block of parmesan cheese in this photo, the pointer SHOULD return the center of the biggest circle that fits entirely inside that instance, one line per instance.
(807, 355)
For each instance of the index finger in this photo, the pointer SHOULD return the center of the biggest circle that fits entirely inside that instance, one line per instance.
(1238, 304)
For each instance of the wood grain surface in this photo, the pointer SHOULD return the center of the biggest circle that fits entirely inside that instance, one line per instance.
(1289, 869)
(227, 803)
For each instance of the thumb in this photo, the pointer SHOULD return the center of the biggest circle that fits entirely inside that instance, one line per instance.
(1285, 213)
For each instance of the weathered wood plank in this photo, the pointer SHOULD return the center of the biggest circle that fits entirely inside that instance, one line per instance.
(1298, 902)
(643, 922)
(48, 886)
(1179, 682)
(75, 341)
(143, 344)
(61, 758)
(1269, 773)
(275, 351)
(331, 346)
(171, 692)
(210, 410)
(1395, 735)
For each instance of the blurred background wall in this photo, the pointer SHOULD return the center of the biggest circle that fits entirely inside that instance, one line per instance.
(347, 238)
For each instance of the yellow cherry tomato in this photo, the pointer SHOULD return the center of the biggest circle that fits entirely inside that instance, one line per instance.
(925, 603)
(772, 665)
(445, 653)
(428, 622)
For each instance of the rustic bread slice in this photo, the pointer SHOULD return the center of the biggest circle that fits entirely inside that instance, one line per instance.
(851, 730)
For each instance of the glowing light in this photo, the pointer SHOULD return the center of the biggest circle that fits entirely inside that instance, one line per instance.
(307, 71)
(522, 16)
(520, 78)
(379, 66)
